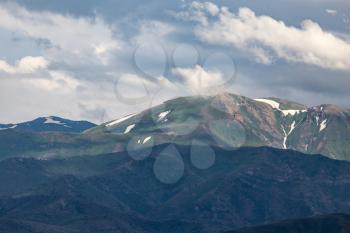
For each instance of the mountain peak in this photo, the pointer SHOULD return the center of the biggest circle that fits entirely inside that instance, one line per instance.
(50, 124)
(232, 120)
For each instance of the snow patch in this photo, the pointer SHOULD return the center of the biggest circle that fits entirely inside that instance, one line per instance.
(146, 139)
(162, 115)
(286, 135)
(49, 120)
(272, 103)
(291, 112)
(11, 127)
(119, 120)
(323, 125)
(276, 105)
(129, 128)
(292, 127)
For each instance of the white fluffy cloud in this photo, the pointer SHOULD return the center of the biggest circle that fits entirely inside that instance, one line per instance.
(199, 80)
(35, 71)
(25, 65)
(265, 38)
(83, 38)
(197, 11)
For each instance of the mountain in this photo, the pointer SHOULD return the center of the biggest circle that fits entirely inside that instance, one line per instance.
(335, 223)
(233, 121)
(50, 124)
(226, 120)
(116, 193)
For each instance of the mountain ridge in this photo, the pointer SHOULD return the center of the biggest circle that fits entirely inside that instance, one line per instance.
(321, 129)
(50, 124)
(226, 120)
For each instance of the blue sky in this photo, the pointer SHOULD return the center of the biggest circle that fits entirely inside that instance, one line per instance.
(100, 60)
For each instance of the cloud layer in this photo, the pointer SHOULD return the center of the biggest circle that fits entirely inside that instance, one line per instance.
(267, 38)
(68, 37)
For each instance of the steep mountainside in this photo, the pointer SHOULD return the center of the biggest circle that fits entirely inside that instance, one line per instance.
(115, 193)
(233, 121)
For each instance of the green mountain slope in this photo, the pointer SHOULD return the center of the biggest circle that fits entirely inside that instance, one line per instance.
(232, 121)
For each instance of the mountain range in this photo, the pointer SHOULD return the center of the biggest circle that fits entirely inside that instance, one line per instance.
(226, 120)
(114, 193)
(192, 164)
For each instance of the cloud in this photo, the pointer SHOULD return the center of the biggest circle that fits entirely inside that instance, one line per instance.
(56, 80)
(197, 11)
(130, 87)
(331, 12)
(199, 80)
(98, 113)
(152, 31)
(26, 65)
(35, 71)
(70, 77)
(84, 38)
(265, 38)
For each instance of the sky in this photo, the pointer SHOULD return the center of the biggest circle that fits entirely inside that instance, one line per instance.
(99, 60)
